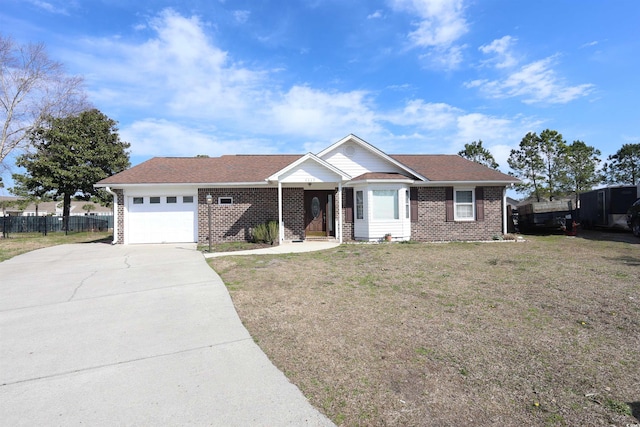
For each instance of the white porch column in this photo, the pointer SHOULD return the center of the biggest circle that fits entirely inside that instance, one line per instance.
(505, 230)
(280, 223)
(340, 212)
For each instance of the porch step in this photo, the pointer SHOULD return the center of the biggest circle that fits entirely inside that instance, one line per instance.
(320, 239)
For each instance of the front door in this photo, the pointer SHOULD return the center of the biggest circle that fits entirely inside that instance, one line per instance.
(315, 213)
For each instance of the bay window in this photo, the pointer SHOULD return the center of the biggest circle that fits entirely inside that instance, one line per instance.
(385, 204)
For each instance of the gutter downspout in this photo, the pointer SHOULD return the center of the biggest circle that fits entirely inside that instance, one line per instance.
(505, 230)
(340, 238)
(280, 223)
(115, 215)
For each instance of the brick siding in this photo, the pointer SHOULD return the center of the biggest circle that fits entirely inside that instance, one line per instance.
(120, 210)
(433, 227)
(251, 206)
(348, 232)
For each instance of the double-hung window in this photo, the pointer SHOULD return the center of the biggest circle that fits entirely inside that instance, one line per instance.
(407, 204)
(359, 205)
(464, 205)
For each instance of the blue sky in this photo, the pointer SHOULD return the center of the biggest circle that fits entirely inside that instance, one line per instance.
(409, 76)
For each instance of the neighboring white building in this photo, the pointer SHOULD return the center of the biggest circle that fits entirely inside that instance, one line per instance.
(55, 208)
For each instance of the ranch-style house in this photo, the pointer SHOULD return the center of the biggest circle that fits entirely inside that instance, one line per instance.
(349, 191)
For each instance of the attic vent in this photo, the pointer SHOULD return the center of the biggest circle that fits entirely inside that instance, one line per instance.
(349, 150)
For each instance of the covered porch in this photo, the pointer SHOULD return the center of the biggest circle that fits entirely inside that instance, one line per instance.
(323, 188)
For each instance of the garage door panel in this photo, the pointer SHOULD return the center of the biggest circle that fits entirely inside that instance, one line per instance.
(161, 222)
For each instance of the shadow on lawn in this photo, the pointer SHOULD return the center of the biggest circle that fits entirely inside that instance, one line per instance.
(623, 236)
(609, 236)
(635, 409)
(626, 260)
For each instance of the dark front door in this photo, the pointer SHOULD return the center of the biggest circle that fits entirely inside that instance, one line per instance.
(315, 213)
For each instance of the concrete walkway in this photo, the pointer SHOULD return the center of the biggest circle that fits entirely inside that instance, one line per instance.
(285, 248)
(95, 334)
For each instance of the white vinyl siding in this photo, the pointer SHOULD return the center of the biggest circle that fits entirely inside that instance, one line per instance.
(309, 172)
(359, 162)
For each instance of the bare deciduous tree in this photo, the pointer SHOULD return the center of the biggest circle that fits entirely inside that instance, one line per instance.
(33, 86)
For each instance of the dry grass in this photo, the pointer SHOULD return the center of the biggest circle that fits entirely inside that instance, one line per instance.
(19, 243)
(543, 332)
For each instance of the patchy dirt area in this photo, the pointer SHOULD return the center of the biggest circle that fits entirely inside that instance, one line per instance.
(541, 332)
(19, 243)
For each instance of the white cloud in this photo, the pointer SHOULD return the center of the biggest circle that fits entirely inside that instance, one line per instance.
(157, 137)
(49, 7)
(241, 16)
(375, 15)
(309, 112)
(445, 59)
(535, 82)
(593, 43)
(425, 116)
(502, 48)
(179, 71)
(441, 23)
(163, 138)
(185, 96)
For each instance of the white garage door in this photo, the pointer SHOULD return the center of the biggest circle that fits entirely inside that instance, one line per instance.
(161, 219)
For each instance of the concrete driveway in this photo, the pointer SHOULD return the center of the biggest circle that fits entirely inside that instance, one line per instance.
(95, 334)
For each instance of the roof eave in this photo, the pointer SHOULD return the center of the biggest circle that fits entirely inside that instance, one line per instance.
(181, 184)
(380, 181)
(484, 183)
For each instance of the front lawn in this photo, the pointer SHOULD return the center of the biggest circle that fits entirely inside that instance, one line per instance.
(542, 332)
(19, 243)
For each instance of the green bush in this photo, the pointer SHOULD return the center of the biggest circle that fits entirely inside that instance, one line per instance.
(266, 233)
(272, 227)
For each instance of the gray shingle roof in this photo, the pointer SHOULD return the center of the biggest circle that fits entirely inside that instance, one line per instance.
(184, 170)
(450, 167)
(257, 168)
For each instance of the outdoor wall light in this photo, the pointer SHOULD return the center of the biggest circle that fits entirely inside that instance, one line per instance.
(209, 199)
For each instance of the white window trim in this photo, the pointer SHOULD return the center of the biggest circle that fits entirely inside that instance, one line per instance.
(472, 203)
(220, 199)
(359, 214)
(407, 204)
